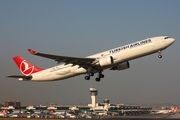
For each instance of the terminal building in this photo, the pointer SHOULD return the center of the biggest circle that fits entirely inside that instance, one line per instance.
(104, 108)
(12, 103)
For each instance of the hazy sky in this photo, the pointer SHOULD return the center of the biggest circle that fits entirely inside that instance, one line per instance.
(80, 28)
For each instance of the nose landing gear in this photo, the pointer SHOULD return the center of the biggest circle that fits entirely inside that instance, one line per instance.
(159, 54)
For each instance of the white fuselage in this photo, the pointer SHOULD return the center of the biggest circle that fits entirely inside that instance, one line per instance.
(120, 55)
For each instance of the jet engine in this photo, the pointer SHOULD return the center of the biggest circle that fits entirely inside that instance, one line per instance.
(122, 66)
(105, 61)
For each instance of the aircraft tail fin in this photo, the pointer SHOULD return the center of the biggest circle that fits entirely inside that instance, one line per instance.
(25, 67)
(51, 111)
(4, 111)
(175, 109)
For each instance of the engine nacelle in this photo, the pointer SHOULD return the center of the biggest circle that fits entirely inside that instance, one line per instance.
(105, 61)
(122, 66)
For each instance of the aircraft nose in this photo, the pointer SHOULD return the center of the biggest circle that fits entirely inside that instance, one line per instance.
(172, 40)
(169, 41)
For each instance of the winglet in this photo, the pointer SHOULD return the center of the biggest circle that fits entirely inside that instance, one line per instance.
(32, 51)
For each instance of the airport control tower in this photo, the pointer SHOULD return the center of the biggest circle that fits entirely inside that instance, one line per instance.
(93, 93)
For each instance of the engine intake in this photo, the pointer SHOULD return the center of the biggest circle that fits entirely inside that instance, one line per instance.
(105, 61)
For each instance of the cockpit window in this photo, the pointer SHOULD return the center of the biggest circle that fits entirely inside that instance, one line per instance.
(166, 37)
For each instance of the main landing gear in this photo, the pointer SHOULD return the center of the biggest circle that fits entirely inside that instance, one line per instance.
(159, 54)
(88, 77)
(100, 75)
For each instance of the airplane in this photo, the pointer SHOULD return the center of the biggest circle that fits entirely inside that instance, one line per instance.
(58, 114)
(52, 111)
(167, 111)
(163, 111)
(87, 116)
(3, 113)
(113, 59)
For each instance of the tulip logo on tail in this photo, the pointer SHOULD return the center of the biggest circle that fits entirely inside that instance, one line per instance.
(25, 68)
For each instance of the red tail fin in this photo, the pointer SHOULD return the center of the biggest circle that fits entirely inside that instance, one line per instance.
(51, 111)
(25, 67)
(4, 111)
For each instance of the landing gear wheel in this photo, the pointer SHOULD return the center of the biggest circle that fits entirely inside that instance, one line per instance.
(101, 75)
(98, 79)
(91, 74)
(87, 77)
(159, 56)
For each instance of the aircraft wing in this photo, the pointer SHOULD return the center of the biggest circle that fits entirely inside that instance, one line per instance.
(82, 62)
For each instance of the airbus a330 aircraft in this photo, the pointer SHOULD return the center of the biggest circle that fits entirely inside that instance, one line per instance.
(113, 59)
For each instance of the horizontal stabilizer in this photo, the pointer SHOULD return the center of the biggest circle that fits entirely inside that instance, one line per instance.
(20, 77)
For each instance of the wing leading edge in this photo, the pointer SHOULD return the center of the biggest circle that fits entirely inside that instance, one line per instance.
(82, 62)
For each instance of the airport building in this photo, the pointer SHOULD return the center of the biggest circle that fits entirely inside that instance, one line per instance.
(104, 108)
(93, 93)
(107, 108)
(12, 103)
